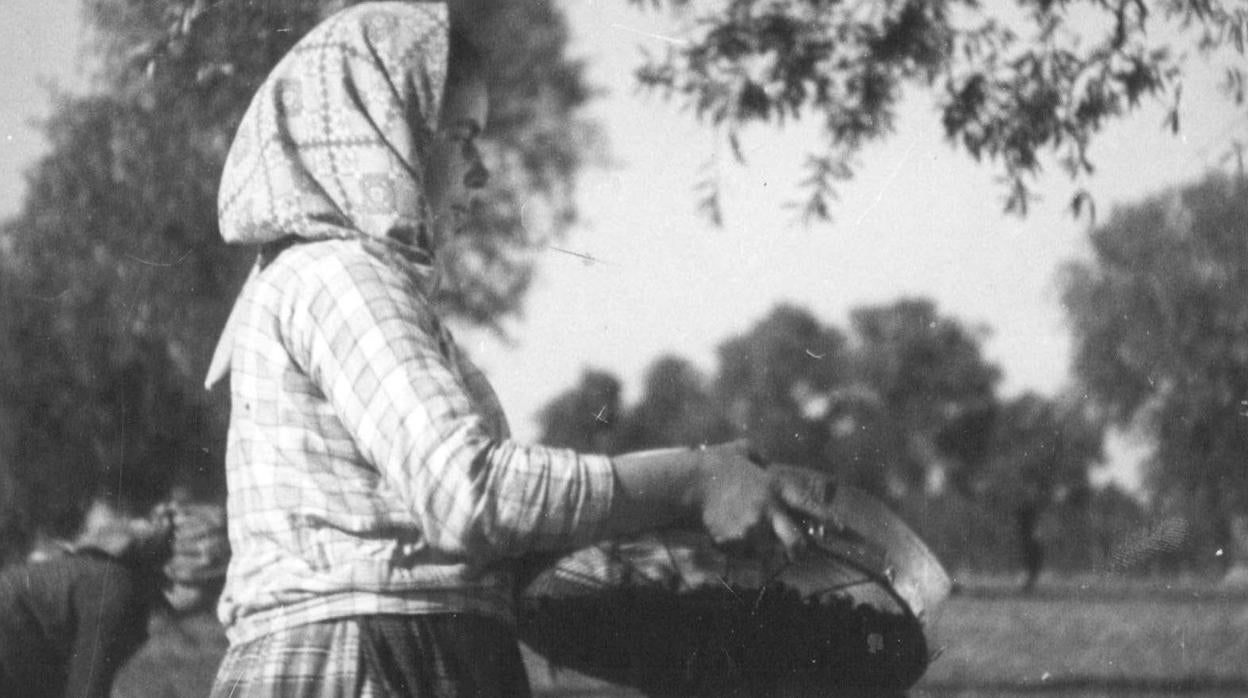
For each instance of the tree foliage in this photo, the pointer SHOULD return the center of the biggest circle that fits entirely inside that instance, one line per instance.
(1041, 452)
(584, 418)
(1161, 340)
(1039, 457)
(907, 393)
(903, 404)
(102, 303)
(1016, 83)
(773, 382)
(676, 408)
(932, 390)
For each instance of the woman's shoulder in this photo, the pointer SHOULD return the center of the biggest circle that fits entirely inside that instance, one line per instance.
(318, 258)
(338, 266)
(332, 279)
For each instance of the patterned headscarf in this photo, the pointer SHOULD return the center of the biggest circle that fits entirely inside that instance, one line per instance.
(334, 143)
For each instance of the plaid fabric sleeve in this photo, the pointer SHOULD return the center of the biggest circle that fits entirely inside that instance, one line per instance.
(370, 341)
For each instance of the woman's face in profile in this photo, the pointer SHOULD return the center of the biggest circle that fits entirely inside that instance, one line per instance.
(455, 170)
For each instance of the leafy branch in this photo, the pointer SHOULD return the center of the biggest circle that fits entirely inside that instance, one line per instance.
(1017, 85)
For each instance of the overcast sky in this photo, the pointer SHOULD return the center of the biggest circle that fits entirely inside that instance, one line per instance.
(918, 219)
(38, 43)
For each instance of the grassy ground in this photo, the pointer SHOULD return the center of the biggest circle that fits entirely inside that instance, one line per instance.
(1067, 639)
(1092, 642)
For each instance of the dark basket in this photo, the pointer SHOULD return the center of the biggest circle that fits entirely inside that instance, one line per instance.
(671, 614)
(713, 642)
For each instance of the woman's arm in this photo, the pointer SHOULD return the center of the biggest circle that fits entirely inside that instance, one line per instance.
(370, 344)
(725, 490)
(363, 337)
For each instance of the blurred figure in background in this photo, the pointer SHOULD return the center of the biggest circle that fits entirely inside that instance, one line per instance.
(14, 523)
(70, 617)
(185, 641)
(199, 555)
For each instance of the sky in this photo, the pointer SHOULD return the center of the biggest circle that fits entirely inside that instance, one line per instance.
(40, 41)
(918, 219)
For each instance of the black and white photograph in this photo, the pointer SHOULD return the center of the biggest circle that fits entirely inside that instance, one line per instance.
(623, 348)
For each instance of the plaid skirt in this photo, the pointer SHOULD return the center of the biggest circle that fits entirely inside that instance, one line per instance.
(451, 655)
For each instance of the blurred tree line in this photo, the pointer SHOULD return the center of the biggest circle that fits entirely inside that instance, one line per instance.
(902, 404)
(114, 285)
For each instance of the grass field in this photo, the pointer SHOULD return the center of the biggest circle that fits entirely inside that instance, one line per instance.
(1067, 639)
(1092, 643)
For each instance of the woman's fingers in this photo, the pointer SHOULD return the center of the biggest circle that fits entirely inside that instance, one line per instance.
(792, 539)
(773, 528)
(808, 496)
(748, 508)
(805, 491)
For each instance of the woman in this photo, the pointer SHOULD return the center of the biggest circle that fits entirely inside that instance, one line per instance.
(376, 502)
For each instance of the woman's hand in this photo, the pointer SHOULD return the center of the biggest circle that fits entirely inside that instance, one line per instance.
(744, 506)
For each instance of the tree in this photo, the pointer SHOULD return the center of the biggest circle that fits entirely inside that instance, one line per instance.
(773, 381)
(1040, 455)
(923, 398)
(114, 303)
(585, 417)
(1014, 81)
(1161, 343)
(676, 409)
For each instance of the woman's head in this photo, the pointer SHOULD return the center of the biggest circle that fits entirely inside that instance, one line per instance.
(340, 140)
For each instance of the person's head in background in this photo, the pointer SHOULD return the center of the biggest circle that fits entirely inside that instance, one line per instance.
(178, 544)
(141, 535)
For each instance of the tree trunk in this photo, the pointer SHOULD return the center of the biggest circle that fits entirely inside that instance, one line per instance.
(1026, 521)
